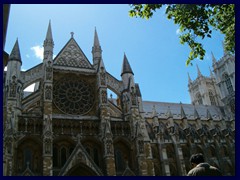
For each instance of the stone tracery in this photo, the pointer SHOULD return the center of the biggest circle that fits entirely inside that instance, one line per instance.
(73, 96)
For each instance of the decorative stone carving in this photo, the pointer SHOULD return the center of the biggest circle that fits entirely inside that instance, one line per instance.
(73, 96)
(47, 146)
(109, 147)
(49, 71)
(72, 56)
(102, 77)
(48, 123)
(104, 96)
(48, 93)
(140, 146)
(133, 96)
(13, 87)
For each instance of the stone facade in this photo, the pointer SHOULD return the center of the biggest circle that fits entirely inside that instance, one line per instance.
(69, 126)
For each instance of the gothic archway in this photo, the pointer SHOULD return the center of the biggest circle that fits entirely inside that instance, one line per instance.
(29, 156)
(81, 170)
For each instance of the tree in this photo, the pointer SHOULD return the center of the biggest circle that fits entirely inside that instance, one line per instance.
(196, 21)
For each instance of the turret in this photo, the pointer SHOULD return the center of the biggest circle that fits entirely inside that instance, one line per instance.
(13, 87)
(14, 63)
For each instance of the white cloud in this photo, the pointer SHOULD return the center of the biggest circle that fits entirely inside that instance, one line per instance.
(38, 51)
(178, 31)
(30, 88)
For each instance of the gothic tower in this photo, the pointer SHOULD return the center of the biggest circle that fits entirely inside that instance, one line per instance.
(203, 90)
(224, 70)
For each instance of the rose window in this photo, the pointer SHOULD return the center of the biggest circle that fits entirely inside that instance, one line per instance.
(73, 96)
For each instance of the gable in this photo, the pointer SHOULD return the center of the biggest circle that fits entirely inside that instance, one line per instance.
(72, 56)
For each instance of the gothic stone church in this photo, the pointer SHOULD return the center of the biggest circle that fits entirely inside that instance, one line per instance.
(69, 127)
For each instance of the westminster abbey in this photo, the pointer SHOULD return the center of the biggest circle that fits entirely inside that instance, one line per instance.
(68, 126)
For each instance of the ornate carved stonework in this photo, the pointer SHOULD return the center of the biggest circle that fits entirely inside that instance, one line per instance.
(13, 87)
(73, 96)
(72, 56)
(48, 93)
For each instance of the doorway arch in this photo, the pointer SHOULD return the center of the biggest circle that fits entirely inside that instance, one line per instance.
(81, 170)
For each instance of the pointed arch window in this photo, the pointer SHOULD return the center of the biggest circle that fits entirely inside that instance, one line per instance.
(199, 98)
(212, 99)
(228, 83)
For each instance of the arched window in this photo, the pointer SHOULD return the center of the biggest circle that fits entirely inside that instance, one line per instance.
(212, 99)
(228, 84)
(199, 98)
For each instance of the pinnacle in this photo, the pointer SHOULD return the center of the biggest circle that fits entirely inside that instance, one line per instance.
(15, 54)
(126, 68)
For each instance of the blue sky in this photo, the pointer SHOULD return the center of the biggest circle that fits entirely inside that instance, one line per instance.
(152, 46)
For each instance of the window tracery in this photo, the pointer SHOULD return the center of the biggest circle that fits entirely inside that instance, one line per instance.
(73, 96)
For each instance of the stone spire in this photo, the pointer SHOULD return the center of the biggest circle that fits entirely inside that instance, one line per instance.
(48, 44)
(189, 79)
(199, 72)
(213, 58)
(96, 50)
(96, 40)
(49, 32)
(126, 68)
(196, 115)
(183, 115)
(15, 54)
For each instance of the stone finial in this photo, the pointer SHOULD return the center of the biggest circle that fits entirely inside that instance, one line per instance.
(72, 33)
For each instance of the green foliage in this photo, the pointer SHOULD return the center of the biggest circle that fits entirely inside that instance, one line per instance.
(196, 21)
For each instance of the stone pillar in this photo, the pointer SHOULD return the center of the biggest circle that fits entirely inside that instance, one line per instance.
(47, 119)
(108, 145)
